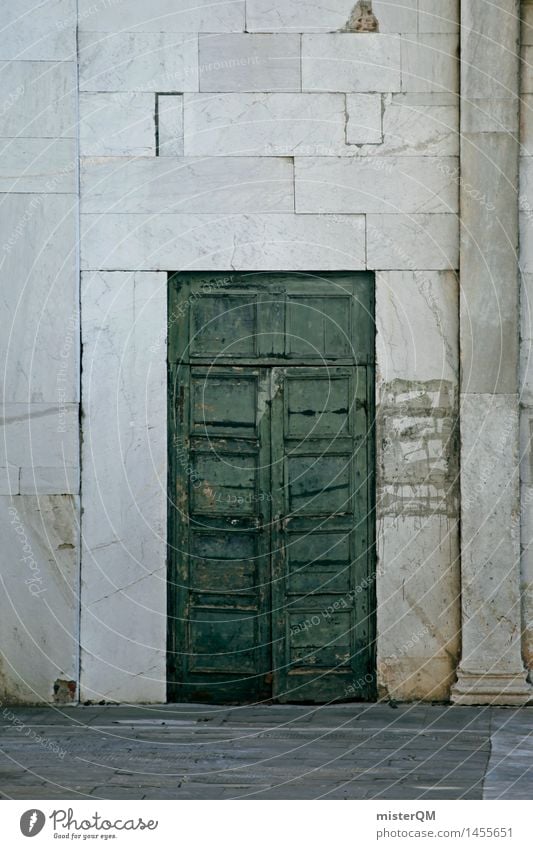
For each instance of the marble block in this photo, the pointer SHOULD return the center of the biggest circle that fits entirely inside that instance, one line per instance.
(117, 124)
(161, 185)
(123, 605)
(39, 598)
(138, 61)
(263, 242)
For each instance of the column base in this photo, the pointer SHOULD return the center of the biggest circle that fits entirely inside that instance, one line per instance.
(492, 688)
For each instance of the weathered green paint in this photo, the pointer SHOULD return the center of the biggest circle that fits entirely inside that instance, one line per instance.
(271, 549)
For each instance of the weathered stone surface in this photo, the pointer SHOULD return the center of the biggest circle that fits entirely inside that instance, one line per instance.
(359, 62)
(162, 16)
(388, 185)
(363, 119)
(170, 125)
(491, 664)
(417, 322)
(489, 331)
(418, 606)
(138, 61)
(415, 125)
(429, 63)
(438, 16)
(407, 752)
(43, 31)
(267, 124)
(38, 165)
(50, 481)
(39, 99)
(312, 16)
(247, 242)
(38, 345)
(117, 124)
(489, 115)
(412, 241)
(171, 184)
(417, 465)
(39, 435)
(511, 750)
(124, 462)
(38, 626)
(248, 62)
(488, 45)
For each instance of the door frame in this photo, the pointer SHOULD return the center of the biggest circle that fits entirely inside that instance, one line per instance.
(172, 472)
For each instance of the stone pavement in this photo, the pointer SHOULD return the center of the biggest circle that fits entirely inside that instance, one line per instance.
(350, 751)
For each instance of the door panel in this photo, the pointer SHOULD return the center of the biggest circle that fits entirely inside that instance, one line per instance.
(322, 545)
(270, 486)
(220, 625)
(303, 318)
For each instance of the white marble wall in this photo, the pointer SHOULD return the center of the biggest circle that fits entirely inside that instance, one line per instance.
(288, 146)
(229, 135)
(124, 460)
(39, 353)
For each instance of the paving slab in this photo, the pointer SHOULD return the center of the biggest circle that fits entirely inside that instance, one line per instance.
(351, 751)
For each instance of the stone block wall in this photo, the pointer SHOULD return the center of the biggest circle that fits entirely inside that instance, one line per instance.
(233, 136)
(257, 136)
(39, 353)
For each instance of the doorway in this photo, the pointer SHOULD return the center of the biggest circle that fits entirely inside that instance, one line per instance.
(271, 487)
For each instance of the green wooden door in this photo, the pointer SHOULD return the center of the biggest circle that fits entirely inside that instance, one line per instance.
(271, 557)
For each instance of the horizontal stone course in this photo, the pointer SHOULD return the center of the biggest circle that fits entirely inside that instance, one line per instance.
(162, 185)
(360, 62)
(162, 15)
(325, 15)
(387, 185)
(265, 124)
(249, 62)
(138, 61)
(247, 242)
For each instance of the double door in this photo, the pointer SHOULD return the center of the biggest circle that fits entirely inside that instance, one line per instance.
(270, 491)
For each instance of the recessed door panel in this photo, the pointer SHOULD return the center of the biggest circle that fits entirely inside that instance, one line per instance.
(271, 483)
